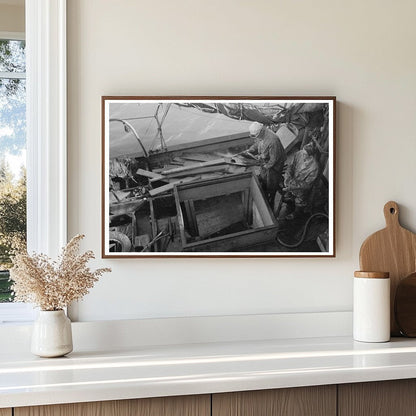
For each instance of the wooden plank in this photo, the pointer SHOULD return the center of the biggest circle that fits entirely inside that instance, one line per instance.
(246, 196)
(153, 219)
(260, 201)
(197, 171)
(292, 144)
(160, 406)
(148, 174)
(180, 216)
(170, 186)
(235, 241)
(382, 398)
(211, 188)
(191, 217)
(177, 162)
(187, 179)
(250, 211)
(300, 401)
(126, 207)
(199, 157)
(257, 218)
(166, 166)
(193, 166)
(164, 188)
(5, 412)
(133, 228)
(211, 176)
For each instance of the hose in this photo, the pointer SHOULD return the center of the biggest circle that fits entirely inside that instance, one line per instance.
(305, 229)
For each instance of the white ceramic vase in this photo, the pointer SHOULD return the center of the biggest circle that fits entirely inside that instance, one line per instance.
(52, 334)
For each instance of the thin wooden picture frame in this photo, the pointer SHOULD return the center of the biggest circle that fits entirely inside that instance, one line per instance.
(206, 176)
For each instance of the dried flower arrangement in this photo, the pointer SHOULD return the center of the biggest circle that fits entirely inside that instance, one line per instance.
(53, 285)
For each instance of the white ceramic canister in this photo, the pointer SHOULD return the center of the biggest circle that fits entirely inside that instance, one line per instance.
(371, 310)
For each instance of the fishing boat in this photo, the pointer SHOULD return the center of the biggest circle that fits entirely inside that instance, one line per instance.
(197, 196)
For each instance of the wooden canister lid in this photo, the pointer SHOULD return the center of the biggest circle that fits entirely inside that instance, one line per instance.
(372, 275)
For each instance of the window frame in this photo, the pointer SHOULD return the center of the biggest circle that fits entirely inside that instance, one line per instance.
(46, 121)
(46, 125)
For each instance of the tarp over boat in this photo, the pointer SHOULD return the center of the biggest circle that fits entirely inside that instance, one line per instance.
(181, 125)
(182, 122)
(298, 114)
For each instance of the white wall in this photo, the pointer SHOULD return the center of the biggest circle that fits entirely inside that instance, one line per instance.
(361, 51)
(12, 17)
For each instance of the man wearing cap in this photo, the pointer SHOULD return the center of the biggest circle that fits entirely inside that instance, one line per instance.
(269, 150)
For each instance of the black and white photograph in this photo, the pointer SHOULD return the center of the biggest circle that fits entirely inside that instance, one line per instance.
(218, 176)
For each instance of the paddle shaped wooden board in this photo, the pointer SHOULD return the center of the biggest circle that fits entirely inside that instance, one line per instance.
(392, 250)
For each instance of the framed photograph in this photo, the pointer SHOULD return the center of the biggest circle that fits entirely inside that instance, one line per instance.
(218, 177)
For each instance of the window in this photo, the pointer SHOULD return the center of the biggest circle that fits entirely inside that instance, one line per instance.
(12, 154)
(12, 165)
(46, 134)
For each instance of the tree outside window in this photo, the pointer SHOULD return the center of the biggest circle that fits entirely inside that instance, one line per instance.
(12, 156)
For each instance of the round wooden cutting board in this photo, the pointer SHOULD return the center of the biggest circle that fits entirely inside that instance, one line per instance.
(392, 250)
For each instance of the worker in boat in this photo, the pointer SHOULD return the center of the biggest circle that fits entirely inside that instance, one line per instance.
(300, 178)
(269, 151)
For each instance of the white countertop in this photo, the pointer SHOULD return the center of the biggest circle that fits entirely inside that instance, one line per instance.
(150, 371)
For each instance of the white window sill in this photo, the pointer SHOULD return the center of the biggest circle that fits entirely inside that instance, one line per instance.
(16, 313)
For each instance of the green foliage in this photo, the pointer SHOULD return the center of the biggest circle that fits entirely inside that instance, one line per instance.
(12, 213)
(6, 294)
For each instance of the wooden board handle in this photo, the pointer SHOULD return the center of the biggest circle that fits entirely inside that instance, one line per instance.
(391, 214)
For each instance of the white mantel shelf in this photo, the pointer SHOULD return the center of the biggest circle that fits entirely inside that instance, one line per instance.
(151, 371)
